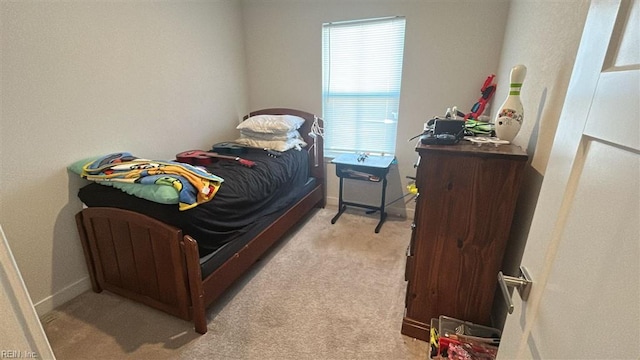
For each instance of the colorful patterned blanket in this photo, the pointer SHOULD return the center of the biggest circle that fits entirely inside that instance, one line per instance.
(194, 185)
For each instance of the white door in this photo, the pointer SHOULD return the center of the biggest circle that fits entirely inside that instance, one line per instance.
(583, 249)
(21, 334)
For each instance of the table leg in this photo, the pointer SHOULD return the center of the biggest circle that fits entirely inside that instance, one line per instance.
(340, 211)
(341, 206)
(383, 217)
(383, 214)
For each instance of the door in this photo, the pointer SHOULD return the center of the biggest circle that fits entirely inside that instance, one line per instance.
(583, 249)
(21, 334)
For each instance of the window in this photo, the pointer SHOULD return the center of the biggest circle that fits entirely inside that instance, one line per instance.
(361, 70)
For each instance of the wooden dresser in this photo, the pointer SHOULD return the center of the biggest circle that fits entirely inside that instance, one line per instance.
(467, 196)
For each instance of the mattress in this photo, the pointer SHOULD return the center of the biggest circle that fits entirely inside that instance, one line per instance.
(248, 200)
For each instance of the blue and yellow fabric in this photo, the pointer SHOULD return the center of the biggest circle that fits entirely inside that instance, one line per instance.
(194, 185)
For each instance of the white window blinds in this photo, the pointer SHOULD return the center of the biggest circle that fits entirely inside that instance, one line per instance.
(362, 69)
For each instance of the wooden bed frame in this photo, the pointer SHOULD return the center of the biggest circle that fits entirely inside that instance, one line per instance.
(146, 260)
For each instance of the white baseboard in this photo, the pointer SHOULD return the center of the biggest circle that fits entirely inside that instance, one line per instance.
(51, 302)
(22, 332)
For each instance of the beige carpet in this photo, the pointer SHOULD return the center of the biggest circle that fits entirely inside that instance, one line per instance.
(325, 292)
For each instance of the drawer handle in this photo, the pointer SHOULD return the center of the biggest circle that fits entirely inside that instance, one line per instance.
(522, 283)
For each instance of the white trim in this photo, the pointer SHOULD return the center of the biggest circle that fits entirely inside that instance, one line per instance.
(61, 297)
(22, 333)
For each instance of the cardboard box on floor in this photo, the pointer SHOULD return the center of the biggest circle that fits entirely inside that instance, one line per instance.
(451, 338)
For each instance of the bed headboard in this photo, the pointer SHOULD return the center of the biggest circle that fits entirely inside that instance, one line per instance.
(316, 154)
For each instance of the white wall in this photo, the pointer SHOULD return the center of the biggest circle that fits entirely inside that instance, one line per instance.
(450, 49)
(544, 36)
(82, 79)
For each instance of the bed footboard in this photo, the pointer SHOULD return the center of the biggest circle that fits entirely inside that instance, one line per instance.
(137, 257)
(148, 261)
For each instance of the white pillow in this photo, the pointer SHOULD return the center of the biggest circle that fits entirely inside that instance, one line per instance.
(245, 133)
(271, 124)
(277, 145)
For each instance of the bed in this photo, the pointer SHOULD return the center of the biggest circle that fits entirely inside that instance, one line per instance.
(180, 262)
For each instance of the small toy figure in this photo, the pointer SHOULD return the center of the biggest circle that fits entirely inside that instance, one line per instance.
(488, 89)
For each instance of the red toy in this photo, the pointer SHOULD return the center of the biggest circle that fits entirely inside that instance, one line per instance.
(488, 89)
